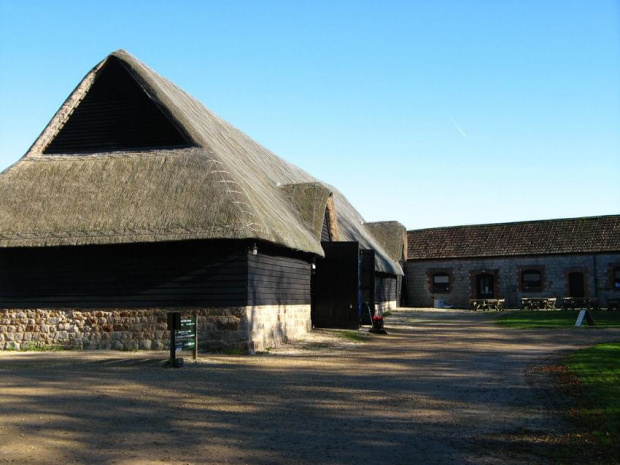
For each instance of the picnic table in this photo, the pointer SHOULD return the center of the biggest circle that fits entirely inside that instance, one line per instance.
(538, 303)
(613, 304)
(578, 303)
(487, 304)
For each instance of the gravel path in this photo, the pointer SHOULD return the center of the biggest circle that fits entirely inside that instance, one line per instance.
(443, 387)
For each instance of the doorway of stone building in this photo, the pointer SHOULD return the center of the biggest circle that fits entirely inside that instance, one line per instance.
(485, 286)
(576, 284)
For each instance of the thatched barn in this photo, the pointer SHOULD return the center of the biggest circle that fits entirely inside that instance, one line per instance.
(136, 200)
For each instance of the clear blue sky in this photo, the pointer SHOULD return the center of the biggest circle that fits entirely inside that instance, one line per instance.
(432, 113)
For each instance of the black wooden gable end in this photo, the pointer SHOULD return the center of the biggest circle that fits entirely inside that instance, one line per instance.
(325, 235)
(115, 114)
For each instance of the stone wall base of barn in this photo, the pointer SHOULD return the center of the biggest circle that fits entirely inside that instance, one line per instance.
(270, 325)
(245, 329)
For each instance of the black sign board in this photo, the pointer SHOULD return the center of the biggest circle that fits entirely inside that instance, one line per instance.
(182, 337)
(185, 335)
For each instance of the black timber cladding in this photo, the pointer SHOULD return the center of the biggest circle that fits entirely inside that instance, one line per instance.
(191, 273)
(386, 288)
(167, 274)
(325, 235)
(115, 114)
(278, 280)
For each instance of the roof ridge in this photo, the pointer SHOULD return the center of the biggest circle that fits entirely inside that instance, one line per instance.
(511, 223)
(595, 234)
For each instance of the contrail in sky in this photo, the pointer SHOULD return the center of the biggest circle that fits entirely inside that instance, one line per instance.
(458, 127)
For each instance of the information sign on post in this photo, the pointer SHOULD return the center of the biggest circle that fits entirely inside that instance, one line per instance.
(183, 336)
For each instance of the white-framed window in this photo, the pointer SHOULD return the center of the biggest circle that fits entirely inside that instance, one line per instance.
(441, 282)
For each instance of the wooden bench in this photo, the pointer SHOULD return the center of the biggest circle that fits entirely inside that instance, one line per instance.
(579, 303)
(487, 304)
(550, 303)
(613, 304)
(538, 303)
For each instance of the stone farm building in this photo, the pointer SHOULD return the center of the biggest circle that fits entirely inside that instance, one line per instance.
(137, 200)
(577, 257)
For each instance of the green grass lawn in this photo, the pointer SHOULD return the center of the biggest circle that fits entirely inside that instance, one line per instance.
(592, 377)
(526, 319)
(597, 371)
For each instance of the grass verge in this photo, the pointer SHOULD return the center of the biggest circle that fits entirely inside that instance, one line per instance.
(526, 319)
(597, 409)
(354, 336)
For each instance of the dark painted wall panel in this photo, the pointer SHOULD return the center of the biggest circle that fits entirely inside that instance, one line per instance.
(386, 288)
(278, 280)
(325, 235)
(189, 273)
(116, 114)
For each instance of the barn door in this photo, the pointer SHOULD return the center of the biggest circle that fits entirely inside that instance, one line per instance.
(336, 286)
(367, 284)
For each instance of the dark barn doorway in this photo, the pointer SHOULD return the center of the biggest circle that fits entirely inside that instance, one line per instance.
(485, 286)
(367, 285)
(576, 284)
(341, 280)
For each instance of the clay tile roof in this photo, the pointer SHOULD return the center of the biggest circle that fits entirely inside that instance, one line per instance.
(562, 236)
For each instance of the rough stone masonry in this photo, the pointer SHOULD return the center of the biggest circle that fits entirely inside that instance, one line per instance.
(219, 329)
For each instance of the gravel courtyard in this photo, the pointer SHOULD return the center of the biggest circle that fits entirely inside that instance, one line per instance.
(443, 387)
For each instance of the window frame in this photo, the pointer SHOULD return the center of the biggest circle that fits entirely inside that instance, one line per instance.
(523, 270)
(614, 282)
(432, 273)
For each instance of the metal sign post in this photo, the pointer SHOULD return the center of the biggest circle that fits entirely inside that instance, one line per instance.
(195, 354)
(174, 322)
(183, 336)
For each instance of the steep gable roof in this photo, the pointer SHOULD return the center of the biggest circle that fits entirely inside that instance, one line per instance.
(203, 179)
(392, 236)
(563, 236)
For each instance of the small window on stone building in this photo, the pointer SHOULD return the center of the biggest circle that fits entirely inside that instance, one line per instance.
(441, 282)
(531, 280)
(616, 278)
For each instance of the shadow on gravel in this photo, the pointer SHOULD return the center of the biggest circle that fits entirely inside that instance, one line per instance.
(438, 390)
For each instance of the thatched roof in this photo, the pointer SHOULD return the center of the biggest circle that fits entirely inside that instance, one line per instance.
(392, 236)
(310, 199)
(212, 181)
(596, 234)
